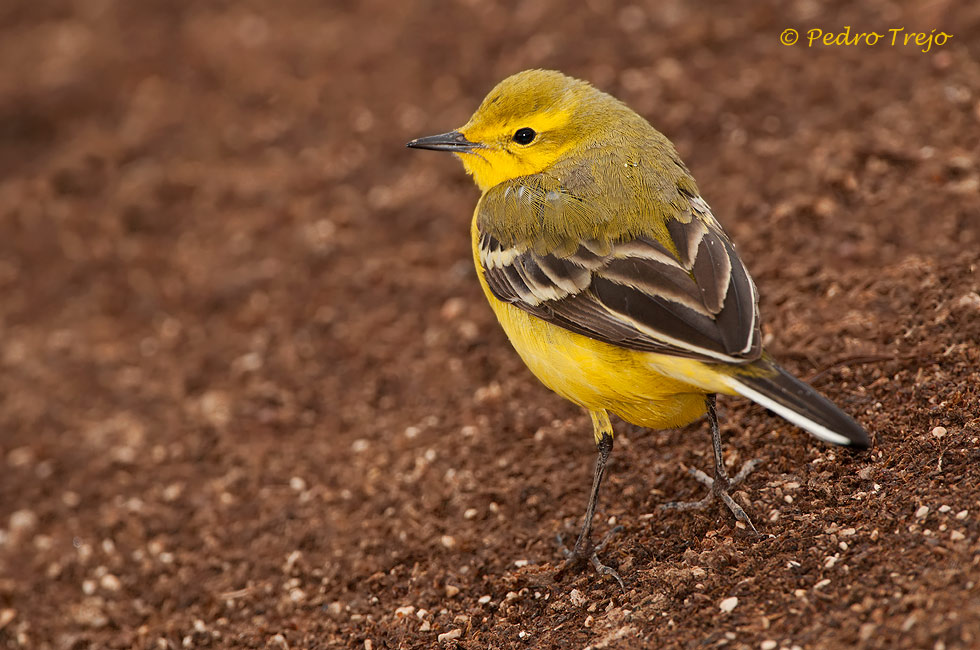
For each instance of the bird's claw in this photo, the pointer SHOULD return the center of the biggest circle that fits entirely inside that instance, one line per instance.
(582, 553)
(718, 488)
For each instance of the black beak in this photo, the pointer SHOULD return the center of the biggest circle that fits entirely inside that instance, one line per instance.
(452, 141)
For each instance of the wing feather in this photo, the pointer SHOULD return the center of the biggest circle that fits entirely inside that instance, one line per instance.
(712, 271)
(688, 295)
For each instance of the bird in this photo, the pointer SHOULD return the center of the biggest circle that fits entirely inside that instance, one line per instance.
(612, 278)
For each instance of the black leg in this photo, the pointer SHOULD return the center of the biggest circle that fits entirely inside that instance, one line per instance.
(583, 546)
(720, 484)
(720, 474)
(584, 549)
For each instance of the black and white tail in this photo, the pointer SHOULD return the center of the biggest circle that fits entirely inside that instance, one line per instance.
(799, 403)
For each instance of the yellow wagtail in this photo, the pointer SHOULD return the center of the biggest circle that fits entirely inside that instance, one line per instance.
(611, 276)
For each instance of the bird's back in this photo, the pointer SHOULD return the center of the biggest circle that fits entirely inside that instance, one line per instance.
(614, 242)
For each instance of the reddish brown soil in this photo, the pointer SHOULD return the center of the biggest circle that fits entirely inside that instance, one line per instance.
(251, 395)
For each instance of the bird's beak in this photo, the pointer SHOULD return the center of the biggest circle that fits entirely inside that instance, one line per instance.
(452, 141)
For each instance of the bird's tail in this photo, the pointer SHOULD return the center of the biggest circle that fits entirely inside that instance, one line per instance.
(786, 396)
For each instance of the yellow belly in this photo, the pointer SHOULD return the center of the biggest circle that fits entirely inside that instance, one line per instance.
(651, 390)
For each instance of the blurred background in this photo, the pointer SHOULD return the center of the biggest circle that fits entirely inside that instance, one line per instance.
(251, 395)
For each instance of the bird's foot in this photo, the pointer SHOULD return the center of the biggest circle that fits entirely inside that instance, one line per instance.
(585, 550)
(719, 487)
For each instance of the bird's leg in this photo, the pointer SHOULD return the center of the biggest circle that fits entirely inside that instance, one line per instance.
(720, 484)
(584, 549)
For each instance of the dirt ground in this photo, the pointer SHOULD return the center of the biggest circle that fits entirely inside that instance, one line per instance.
(252, 397)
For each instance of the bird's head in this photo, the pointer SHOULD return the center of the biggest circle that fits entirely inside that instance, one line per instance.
(526, 124)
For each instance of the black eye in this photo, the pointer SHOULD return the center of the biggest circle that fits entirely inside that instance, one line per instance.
(524, 136)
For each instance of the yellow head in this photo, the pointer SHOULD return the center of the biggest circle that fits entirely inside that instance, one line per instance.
(526, 124)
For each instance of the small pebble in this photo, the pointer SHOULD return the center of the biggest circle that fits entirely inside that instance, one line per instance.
(728, 604)
(451, 591)
(297, 483)
(448, 541)
(90, 614)
(453, 308)
(405, 611)
(292, 560)
(939, 432)
(172, 492)
(922, 512)
(589, 620)
(470, 513)
(768, 644)
(962, 514)
(483, 600)
(577, 598)
(450, 635)
(971, 299)
(22, 521)
(44, 469)
(20, 457)
(956, 536)
(110, 582)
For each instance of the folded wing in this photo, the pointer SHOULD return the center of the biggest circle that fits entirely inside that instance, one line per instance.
(678, 289)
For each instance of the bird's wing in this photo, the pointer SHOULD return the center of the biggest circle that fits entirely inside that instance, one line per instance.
(679, 290)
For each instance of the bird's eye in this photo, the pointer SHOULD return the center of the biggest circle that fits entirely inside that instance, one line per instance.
(524, 136)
